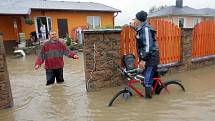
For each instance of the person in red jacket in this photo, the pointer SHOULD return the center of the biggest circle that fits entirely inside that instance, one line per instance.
(52, 53)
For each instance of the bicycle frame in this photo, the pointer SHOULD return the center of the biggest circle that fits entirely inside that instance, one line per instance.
(134, 80)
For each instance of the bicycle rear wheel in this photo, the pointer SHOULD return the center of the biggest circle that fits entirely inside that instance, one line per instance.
(124, 91)
(171, 82)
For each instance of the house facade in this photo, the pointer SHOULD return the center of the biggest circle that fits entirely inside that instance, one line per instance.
(183, 16)
(21, 16)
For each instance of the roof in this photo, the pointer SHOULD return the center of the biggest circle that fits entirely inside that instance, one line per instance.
(9, 7)
(208, 11)
(185, 11)
(25, 6)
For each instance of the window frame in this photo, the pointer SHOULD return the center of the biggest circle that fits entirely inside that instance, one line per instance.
(198, 21)
(93, 20)
(184, 23)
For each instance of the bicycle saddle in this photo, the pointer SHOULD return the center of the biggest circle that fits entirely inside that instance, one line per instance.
(128, 61)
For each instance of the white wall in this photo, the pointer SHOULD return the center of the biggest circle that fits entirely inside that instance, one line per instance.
(188, 20)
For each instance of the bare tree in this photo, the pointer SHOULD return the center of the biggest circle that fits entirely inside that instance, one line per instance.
(155, 8)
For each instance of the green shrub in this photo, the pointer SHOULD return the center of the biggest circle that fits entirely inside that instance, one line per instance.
(29, 21)
(68, 41)
(118, 27)
(79, 46)
(71, 47)
(109, 26)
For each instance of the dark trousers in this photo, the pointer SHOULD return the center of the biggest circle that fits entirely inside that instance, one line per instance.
(51, 74)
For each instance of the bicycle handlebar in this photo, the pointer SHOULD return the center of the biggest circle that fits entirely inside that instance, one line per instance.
(137, 70)
(131, 73)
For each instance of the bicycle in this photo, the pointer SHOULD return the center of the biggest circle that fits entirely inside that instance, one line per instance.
(33, 40)
(134, 76)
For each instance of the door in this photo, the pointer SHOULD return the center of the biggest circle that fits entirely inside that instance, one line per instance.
(49, 23)
(39, 22)
(62, 27)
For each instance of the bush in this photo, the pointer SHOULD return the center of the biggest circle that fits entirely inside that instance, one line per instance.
(68, 41)
(118, 27)
(109, 26)
(71, 47)
(79, 46)
(29, 21)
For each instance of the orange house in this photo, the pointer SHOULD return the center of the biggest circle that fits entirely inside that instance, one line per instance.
(62, 16)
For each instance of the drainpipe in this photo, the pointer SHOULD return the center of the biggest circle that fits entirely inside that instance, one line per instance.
(114, 19)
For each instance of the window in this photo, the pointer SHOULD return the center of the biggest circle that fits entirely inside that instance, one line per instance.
(181, 22)
(94, 22)
(206, 19)
(196, 21)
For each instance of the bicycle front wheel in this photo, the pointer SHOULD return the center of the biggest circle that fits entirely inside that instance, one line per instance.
(125, 91)
(175, 83)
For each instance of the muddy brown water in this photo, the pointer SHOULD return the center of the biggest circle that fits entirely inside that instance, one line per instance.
(33, 101)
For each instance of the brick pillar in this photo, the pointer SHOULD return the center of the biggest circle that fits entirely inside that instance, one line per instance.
(6, 100)
(186, 47)
(102, 58)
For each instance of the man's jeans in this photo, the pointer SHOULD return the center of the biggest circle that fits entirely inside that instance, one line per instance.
(148, 75)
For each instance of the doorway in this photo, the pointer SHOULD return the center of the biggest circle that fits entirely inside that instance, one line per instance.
(39, 21)
(62, 27)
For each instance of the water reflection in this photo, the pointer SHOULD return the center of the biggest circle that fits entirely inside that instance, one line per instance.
(58, 102)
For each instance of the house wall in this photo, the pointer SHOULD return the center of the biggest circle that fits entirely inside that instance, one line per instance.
(10, 33)
(7, 27)
(188, 20)
(74, 19)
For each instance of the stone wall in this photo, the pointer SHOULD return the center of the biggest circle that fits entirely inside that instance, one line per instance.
(102, 58)
(10, 45)
(6, 100)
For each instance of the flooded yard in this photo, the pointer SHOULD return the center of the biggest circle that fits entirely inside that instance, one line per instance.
(33, 101)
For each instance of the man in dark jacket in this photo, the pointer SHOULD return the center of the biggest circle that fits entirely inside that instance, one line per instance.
(147, 50)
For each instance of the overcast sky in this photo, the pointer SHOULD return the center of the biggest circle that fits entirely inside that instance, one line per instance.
(130, 7)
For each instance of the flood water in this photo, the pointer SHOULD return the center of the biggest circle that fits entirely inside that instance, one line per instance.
(33, 101)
